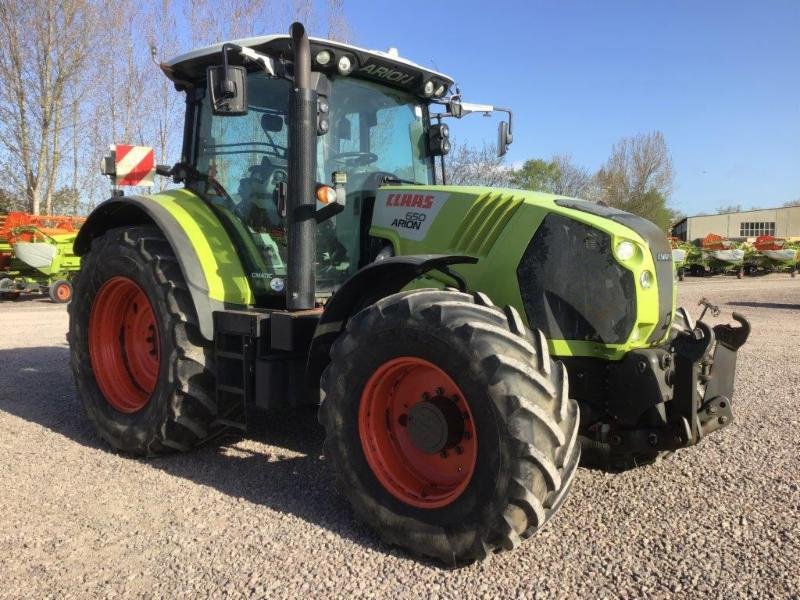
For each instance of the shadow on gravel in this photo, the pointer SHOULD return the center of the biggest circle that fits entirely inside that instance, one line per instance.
(37, 386)
(765, 305)
(26, 298)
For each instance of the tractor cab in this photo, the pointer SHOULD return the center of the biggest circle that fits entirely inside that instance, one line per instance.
(373, 117)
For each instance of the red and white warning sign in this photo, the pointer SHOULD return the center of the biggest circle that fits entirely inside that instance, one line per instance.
(134, 165)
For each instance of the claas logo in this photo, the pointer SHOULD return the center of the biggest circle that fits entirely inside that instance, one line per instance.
(410, 201)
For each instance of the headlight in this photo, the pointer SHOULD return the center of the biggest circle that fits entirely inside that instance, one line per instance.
(625, 250)
(646, 279)
(427, 89)
(386, 252)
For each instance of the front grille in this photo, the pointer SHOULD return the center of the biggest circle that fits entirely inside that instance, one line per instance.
(572, 287)
(659, 247)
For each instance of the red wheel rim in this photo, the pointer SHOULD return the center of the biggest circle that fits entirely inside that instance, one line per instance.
(390, 432)
(124, 344)
(63, 292)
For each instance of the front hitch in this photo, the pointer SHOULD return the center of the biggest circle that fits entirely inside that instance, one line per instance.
(705, 367)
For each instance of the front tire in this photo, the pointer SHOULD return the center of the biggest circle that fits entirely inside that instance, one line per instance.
(450, 489)
(142, 369)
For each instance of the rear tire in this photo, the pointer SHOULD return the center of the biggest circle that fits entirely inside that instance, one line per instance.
(518, 410)
(60, 291)
(180, 411)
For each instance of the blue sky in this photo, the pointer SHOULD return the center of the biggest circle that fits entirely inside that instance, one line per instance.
(721, 80)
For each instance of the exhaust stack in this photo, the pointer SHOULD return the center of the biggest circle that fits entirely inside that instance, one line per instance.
(301, 203)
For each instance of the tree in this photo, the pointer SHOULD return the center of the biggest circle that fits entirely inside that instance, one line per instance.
(638, 177)
(729, 208)
(78, 75)
(45, 49)
(469, 165)
(791, 203)
(536, 174)
(675, 215)
(653, 207)
(573, 180)
(560, 175)
(9, 202)
(66, 201)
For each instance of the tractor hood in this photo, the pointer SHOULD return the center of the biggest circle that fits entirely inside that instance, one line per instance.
(559, 258)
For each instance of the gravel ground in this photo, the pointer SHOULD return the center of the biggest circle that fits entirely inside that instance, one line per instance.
(259, 518)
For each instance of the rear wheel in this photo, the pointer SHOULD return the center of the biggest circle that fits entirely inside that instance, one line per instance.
(60, 292)
(142, 369)
(448, 426)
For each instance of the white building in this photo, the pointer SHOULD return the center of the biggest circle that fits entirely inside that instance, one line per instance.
(783, 222)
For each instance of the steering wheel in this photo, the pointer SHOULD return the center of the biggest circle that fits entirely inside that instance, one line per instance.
(356, 159)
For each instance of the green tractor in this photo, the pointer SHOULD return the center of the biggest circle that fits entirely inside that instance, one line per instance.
(316, 255)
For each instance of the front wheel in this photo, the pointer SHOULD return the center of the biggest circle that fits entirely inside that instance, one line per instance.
(448, 426)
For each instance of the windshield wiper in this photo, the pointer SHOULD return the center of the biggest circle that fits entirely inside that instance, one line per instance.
(391, 179)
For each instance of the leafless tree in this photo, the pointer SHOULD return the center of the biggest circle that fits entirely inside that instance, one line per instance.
(473, 165)
(637, 167)
(78, 75)
(572, 179)
(45, 50)
(338, 27)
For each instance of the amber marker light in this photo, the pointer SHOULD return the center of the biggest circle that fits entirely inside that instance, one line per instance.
(326, 194)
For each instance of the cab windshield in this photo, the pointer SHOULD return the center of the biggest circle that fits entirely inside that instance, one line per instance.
(374, 132)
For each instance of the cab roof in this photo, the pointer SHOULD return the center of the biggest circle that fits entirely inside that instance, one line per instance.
(382, 67)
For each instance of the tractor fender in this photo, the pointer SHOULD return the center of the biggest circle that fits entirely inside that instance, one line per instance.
(181, 230)
(375, 281)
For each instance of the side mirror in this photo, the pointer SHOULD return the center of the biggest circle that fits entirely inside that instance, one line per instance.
(504, 138)
(228, 88)
(438, 140)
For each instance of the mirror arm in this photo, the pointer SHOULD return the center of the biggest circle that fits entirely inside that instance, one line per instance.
(438, 118)
(226, 81)
(510, 114)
